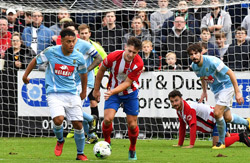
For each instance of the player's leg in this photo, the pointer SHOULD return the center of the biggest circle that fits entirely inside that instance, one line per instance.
(75, 115)
(93, 106)
(92, 137)
(221, 125)
(131, 108)
(56, 107)
(234, 118)
(110, 108)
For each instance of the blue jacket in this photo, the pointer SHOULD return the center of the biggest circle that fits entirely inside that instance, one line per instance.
(44, 37)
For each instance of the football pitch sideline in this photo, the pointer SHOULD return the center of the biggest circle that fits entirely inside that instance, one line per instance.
(148, 151)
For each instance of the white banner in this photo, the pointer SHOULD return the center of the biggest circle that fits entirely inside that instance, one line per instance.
(153, 94)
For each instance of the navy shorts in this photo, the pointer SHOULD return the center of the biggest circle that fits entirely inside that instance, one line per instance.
(130, 103)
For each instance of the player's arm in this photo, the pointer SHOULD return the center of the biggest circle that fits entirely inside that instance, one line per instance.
(30, 67)
(204, 90)
(182, 132)
(96, 62)
(123, 86)
(84, 81)
(99, 76)
(238, 95)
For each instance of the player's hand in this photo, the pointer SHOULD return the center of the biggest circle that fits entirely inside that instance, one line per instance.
(108, 94)
(203, 95)
(83, 95)
(190, 146)
(97, 95)
(239, 98)
(26, 80)
(176, 145)
(18, 64)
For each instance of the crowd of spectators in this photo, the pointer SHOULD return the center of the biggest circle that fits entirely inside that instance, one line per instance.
(165, 33)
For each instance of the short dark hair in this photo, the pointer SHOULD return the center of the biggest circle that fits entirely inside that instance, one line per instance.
(68, 24)
(174, 93)
(67, 32)
(205, 29)
(194, 47)
(241, 29)
(133, 41)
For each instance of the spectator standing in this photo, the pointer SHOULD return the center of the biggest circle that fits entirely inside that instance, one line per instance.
(63, 13)
(110, 36)
(177, 41)
(205, 37)
(5, 37)
(220, 40)
(158, 17)
(199, 12)
(38, 37)
(238, 54)
(150, 58)
(14, 24)
(217, 20)
(137, 31)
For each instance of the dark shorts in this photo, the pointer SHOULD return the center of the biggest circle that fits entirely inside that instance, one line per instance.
(130, 103)
(90, 95)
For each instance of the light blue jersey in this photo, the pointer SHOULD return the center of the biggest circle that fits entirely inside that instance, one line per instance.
(60, 75)
(213, 71)
(89, 52)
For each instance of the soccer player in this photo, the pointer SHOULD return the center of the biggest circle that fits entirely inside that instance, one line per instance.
(199, 117)
(64, 61)
(93, 59)
(125, 68)
(223, 84)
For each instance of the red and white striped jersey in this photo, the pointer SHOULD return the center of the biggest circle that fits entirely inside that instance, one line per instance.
(204, 115)
(120, 70)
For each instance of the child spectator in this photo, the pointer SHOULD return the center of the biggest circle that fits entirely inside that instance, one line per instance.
(150, 59)
(171, 62)
(205, 37)
(220, 39)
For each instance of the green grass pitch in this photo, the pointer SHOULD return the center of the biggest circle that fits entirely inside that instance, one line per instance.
(148, 151)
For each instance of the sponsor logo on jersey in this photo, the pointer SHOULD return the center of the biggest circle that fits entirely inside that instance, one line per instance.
(208, 79)
(64, 70)
(189, 117)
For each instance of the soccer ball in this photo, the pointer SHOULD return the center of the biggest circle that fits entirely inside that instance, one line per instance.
(102, 149)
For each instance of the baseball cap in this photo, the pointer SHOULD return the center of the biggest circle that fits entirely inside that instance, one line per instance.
(10, 10)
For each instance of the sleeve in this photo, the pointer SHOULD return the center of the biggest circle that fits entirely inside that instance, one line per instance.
(219, 65)
(192, 122)
(43, 57)
(108, 61)
(82, 68)
(136, 72)
(182, 131)
(204, 22)
(244, 23)
(92, 51)
(227, 24)
(192, 133)
(153, 22)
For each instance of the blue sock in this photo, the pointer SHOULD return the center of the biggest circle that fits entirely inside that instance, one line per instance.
(239, 120)
(87, 117)
(221, 126)
(58, 131)
(86, 126)
(80, 140)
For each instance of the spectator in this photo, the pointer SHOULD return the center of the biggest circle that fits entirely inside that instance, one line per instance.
(38, 37)
(205, 37)
(220, 39)
(27, 19)
(246, 24)
(145, 21)
(158, 17)
(63, 13)
(217, 20)
(150, 58)
(171, 62)
(141, 4)
(199, 12)
(18, 55)
(177, 41)
(137, 31)
(5, 36)
(238, 54)
(191, 23)
(110, 37)
(15, 25)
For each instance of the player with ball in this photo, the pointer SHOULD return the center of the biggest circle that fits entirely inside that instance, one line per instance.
(125, 69)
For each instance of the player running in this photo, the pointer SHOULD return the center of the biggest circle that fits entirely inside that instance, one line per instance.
(125, 69)
(200, 117)
(63, 62)
(223, 84)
